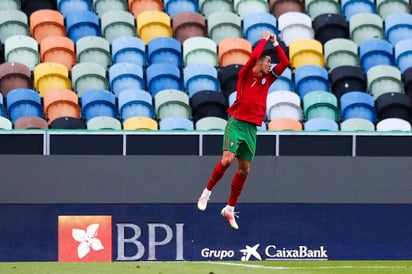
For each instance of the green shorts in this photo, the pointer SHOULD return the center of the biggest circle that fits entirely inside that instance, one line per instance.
(240, 138)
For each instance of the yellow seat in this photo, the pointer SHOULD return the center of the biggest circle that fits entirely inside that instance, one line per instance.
(234, 51)
(49, 76)
(140, 123)
(58, 49)
(306, 52)
(152, 24)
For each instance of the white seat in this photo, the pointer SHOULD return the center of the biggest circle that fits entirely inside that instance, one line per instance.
(284, 104)
(393, 124)
(295, 25)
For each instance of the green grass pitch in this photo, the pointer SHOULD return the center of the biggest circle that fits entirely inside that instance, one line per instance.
(226, 267)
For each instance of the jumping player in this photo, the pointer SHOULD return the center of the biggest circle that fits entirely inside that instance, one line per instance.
(247, 112)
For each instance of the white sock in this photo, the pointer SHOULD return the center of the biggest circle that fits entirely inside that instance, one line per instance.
(206, 193)
(229, 208)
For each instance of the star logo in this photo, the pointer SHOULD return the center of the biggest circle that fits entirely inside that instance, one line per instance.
(248, 252)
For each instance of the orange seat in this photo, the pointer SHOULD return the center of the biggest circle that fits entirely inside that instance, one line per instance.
(233, 51)
(152, 24)
(59, 103)
(188, 24)
(279, 7)
(49, 76)
(14, 75)
(138, 6)
(46, 22)
(58, 49)
(285, 124)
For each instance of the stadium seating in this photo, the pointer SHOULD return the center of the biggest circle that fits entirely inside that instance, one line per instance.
(254, 24)
(393, 105)
(375, 52)
(173, 7)
(13, 22)
(86, 76)
(140, 123)
(233, 51)
(352, 7)
(124, 76)
(279, 7)
(50, 75)
(31, 6)
(67, 122)
(347, 78)
(81, 24)
(210, 123)
(306, 52)
(340, 52)
(136, 7)
(382, 79)
(165, 50)
(284, 82)
(58, 49)
(320, 124)
(365, 26)
(357, 104)
(14, 75)
(208, 103)
(228, 76)
(128, 49)
(398, 26)
(172, 103)
(188, 24)
(60, 103)
(103, 6)
(94, 49)
(160, 76)
(135, 103)
(221, 25)
(315, 8)
(10, 5)
(98, 102)
(30, 122)
(357, 124)
(199, 77)
(284, 104)
(310, 78)
(46, 22)
(117, 23)
(152, 24)
(246, 7)
(176, 123)
(320, 104)
(403, 54)
(329, 26)
(295, 26)
(285, 124)
(393, 124)
(103, 123)
(200, 50)
(23, 102)
(22, 49)
(208, 7)
(68, 6)
(387, 7)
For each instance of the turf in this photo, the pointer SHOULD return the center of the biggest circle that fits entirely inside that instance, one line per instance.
(288, 267)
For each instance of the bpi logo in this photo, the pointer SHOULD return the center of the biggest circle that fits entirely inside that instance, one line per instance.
(85, 238)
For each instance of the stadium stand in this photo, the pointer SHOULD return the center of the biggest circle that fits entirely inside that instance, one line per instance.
(171, 50)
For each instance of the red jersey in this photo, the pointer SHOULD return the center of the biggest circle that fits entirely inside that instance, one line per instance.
(252, 89)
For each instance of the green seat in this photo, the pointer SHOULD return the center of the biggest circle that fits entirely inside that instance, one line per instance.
(86, 76)
(223, 25)
(22, 49)
(117, 23)
(320, 104)
(365, 26)
(388, 7)
(357, 124)
(94, 49)
(210, 123)
(10, 5)
(13, 22)
(382, 79)
(245, 7)
(172, 103)
(340, 52)
(314, 8)
(208, 7)
(103, 6)
(200, 50)
(103, 122)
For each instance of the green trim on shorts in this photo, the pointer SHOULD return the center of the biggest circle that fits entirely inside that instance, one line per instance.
(240, 138)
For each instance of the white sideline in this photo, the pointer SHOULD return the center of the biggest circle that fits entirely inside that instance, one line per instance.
(313, 267)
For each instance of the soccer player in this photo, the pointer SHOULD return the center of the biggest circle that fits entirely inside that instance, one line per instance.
(247, 112)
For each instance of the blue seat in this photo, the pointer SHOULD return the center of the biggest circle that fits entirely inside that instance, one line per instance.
(357, 104)
(254, 24)
(310, 78)
(198, 77)
(374, 52)
(82, 23)
(398, 26)
(321, 124)
(352, 7)
(173, 7)
(125, 76)
(284, 82)
(98, 102)
(135, 103)
(23, 102)
(163, 76)
(403, 54)
(176, 123)
(67, 6)
(129, 49)
(165, 50)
